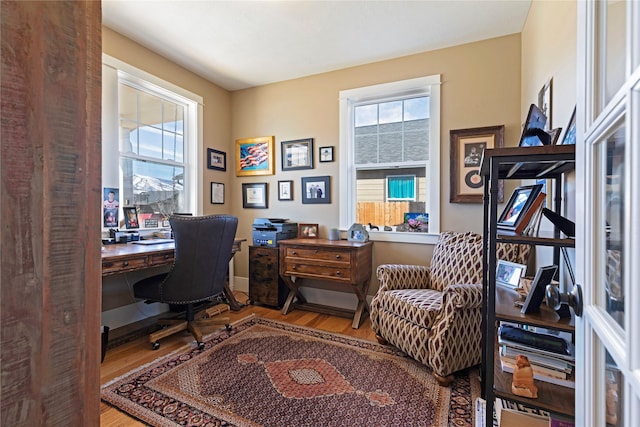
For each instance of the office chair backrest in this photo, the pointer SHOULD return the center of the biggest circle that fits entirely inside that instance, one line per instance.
(203, 251)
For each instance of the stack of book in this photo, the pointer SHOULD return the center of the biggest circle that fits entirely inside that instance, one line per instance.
(550, 352)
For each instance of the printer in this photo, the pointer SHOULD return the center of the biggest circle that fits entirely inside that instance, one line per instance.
(269, 231)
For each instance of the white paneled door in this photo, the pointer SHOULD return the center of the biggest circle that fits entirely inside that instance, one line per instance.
(608, 213)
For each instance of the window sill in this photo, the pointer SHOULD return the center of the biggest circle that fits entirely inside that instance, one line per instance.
(403, 237)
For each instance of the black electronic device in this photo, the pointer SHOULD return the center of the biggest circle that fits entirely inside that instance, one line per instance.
(565, 225)
(543, 277)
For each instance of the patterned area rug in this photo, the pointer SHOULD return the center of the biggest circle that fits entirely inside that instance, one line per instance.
(267, 373)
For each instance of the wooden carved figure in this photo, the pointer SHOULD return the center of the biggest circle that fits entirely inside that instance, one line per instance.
(522, 384)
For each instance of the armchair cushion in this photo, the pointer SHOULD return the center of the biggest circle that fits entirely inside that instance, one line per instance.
(457, 258)
(422, 306)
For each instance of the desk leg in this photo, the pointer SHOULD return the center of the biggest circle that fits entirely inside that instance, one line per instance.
(293, 293)
(363, 305)
(233, 302)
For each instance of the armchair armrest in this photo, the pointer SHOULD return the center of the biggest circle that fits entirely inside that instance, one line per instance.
(463, 296)
(402, 276)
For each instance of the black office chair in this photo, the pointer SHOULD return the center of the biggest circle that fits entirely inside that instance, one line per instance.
(203, 251)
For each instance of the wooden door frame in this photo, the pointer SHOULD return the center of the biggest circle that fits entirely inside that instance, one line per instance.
(50, 171)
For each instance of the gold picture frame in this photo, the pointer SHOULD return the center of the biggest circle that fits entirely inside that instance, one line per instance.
(467, 146)
(255, 156)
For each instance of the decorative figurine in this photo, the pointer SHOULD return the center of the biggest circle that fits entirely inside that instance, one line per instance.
(523, 379)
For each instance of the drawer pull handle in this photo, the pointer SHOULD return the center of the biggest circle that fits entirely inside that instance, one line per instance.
(338, 273)
(166, 257)
(315, 251)
(293, 267)
(338, 256)
(294, 253)
(125, 263)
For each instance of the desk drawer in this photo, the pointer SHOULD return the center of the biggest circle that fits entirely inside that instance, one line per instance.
(320, 254)
(161, 259)
(124, 265)
(322, 272)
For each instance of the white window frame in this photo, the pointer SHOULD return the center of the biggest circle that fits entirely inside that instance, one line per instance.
(421, 86)
(113, 71)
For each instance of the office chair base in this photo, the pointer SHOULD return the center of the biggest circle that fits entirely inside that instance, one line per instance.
(195, 327)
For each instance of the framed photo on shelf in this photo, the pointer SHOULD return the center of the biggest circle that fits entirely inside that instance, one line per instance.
(467, 146)
(509, 273)
(217, 193)
(316, 189)
(308, 231)
(254, 195)
(533, 133)
(255, 156)
(216, 159)
(297, 154)
(517, 210)
(545, 101)
(543, 277)
(569, 137)
(130, 218)
(326, 154)
(285, 190)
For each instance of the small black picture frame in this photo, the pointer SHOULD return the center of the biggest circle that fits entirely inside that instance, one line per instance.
(217, 193)
(543, 277)
(533, 133)
(326, 154)
(216, 159)
(285, 190)
(254, 195)
(131, 218)
(316, 189)
(517, 206)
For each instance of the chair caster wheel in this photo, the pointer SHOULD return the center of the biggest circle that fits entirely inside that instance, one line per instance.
(228, 327)
(155, 345)
(200, 346)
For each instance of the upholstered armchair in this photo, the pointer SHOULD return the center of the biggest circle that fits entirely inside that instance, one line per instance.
(434, 313)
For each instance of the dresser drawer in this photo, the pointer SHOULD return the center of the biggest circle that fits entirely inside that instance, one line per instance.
(327, 272)
(319, 254)
(160, 259)
(124, 265)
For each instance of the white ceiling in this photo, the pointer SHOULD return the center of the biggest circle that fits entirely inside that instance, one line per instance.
(240, 44)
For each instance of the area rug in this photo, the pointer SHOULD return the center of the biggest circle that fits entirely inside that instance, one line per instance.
(268, 373)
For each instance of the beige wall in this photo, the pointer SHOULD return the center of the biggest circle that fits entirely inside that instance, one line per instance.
(216, 112)
(481, 87)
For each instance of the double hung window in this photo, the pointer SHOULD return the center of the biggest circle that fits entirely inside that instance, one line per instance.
(156, 146)
(390, 138)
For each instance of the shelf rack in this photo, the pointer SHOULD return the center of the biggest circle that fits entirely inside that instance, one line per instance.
(518, 163)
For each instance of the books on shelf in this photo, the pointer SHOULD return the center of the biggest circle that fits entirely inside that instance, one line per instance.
(550, 354)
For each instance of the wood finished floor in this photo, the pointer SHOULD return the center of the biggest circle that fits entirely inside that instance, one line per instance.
(128, 356)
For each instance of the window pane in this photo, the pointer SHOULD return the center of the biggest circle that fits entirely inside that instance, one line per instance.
(128, 136)
(391, 112)
(366, 115)
(416, 108)
(371, 196)
(614, 187)
(150, 142)
(613, 392)
(157, 190)
(149, 109)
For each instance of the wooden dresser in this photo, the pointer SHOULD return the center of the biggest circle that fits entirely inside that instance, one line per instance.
(337, 265)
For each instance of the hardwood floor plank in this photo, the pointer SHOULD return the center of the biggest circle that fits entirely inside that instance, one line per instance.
(138, 352)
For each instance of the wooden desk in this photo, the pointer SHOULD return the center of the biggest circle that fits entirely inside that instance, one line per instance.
(123, 258)
(343, 264)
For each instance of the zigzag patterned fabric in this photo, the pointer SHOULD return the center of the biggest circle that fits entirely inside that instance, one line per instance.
(434, 313)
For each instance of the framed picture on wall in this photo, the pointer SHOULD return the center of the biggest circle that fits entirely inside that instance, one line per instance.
(316, 189)
(255, 156)
(216, 159)
(467, 147)
(217, 193)
(254, 195)
(297, 154)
